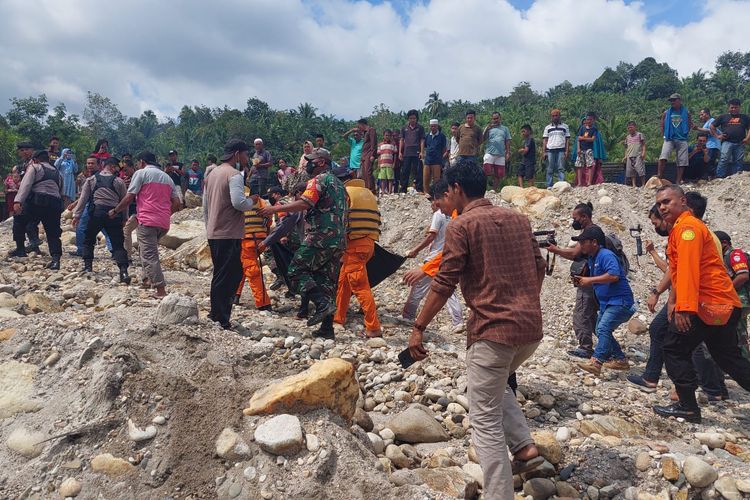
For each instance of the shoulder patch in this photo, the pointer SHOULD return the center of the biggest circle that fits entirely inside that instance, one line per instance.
(688, 235)
(737, 258)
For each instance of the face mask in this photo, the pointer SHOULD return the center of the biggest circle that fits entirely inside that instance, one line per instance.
(577, 225)
(662, 232)
(310, 167)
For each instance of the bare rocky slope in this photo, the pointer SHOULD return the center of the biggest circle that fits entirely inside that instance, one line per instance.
(102, 395)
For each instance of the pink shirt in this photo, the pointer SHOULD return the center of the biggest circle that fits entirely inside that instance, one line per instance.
(153, 190)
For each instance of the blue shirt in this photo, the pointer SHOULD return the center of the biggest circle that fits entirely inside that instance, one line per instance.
(712, 142)
(195, 181)
(434, 146)
(355, 153)
(617, 293)
(496, 137)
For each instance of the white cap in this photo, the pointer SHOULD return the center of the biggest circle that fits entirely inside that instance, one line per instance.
(258, 140)
(433, 121)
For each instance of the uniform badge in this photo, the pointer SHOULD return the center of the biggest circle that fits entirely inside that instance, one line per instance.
(688, 235)
(737, 258)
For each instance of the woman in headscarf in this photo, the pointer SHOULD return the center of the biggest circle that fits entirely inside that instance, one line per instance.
(68, 169)
(307, 148)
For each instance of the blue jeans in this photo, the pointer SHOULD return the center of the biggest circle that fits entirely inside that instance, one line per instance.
(81, 232)
(730, 160)
(555, 164)
(609, 318)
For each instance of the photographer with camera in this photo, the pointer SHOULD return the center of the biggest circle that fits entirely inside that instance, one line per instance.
(586, 307)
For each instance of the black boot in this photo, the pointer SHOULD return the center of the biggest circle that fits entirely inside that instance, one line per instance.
(20, 251)
(326, 329)
(236, 300)
(33, 246)
(304, 307)
(324, 306)
(54, 265)
(124, 276)
(276, 283)
(88, 266)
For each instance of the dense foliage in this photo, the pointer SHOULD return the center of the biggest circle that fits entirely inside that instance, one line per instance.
(626, 92)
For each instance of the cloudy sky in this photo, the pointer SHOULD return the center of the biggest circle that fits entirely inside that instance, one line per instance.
(344, 56)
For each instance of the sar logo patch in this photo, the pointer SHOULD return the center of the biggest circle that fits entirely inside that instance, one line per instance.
(737, 258)
(688, 235)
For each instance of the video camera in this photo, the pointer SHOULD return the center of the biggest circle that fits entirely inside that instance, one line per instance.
(545, 238)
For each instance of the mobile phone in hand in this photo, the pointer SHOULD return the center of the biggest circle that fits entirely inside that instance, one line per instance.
(405, 358)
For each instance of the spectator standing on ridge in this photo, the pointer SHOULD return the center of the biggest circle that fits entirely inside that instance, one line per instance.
(555, 145)
(411, 150)
(527, 168)
(496, 150)
(68, 168)
(435, 152)
(175, 170)
(387, 153)
(713, 143)
(469, 137)
(676, 123)
(356, 143)
(699, 160)
(453, 155)
(261, 162)
(635, 155)
(584, 154)
(735, 133)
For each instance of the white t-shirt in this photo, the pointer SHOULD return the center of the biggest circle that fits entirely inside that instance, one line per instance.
(556, 135)
(439, 223)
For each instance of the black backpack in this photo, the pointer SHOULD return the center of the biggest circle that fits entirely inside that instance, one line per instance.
(613, 243)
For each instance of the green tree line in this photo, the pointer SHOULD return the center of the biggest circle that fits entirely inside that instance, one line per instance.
(626, 92)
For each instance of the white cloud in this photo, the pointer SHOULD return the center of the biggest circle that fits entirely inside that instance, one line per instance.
(341, 56)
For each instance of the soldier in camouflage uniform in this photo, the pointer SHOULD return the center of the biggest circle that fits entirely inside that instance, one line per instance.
(315, 267)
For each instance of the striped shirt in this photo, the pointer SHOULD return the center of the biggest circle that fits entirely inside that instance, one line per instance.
(386, 154)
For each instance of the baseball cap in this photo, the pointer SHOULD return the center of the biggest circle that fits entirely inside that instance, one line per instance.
(319, 153)
(233, 146)
(591, 233)
(723, 236)
(24, 145)
(675, 96)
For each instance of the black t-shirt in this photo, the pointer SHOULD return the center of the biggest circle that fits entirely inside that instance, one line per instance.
(529, 158)
(176, 176)
(735, 127)
(591, 132)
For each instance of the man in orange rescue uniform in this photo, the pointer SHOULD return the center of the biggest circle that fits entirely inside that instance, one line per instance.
(362, 231)
(256, 230)
(703, 306)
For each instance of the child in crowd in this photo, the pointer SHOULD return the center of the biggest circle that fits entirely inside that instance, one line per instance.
(585, 158)
(527, 168)
(386, 155)
(635, 155)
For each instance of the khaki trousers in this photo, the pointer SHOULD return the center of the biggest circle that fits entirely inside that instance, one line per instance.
(430, 174)
(495, 412)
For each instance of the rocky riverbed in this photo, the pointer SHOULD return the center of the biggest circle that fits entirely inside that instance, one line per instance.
(108, 393)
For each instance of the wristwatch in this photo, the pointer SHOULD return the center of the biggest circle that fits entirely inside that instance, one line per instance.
(655, 291)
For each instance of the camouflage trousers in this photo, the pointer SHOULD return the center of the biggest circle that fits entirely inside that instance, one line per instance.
(742, 334)
(312, 266)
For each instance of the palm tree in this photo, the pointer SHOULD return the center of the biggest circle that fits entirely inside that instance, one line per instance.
(434, 105)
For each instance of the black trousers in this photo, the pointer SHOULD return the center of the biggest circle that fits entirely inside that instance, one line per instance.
(721, 342)
(408, 165)
(48, 213)
(99, 220)
(225, 255)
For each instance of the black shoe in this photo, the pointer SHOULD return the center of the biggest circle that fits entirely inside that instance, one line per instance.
(124, 277)
(266, 307)
(276, 284)
(75, 254)
(324, 334)
(678, 410)
(54, 265)
(236, 300)
(18, 252)
(324, 306)
(580, 352)
(304, 307)
(88, 266)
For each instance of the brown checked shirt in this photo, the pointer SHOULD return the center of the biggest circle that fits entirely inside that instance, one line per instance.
(493, 254)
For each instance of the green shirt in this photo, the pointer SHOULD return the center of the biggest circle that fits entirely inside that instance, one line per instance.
(325, 220)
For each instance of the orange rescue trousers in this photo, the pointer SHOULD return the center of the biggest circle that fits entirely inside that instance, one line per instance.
(353, 280)
(253, 272)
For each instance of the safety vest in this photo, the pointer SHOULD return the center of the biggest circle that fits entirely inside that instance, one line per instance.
(256, 227)
(363, 217)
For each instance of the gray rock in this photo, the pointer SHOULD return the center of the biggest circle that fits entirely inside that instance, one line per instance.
(546, 401)
(230, 446)
(86, 356)
(378, 446)
(362, 419)
(280, 435)
(728, 488)
(403, 477)
(539, 488)
(545, 470)
(475, 472)
(177, 309)
(698, 473)
(643, 461)
(609, 491)
(417, 424)
(593, 492)
(396, 456)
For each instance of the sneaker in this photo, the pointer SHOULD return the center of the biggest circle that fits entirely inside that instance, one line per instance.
(678, 410)
(642, 383)
(591, 366)
(580, 352)
(617, 364)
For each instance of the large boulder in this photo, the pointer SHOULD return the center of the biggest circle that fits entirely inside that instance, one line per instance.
(417, 424)
(561, 187)
(508, 192)
(330, 383)
(182, 232)
(40, 303)
(193, 200)
(195, 253)
(655, 183)
(545, 205)
(175, 308)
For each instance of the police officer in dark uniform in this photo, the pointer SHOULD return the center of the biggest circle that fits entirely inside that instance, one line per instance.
(39, 199)
(25, 152)
(101, 193)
